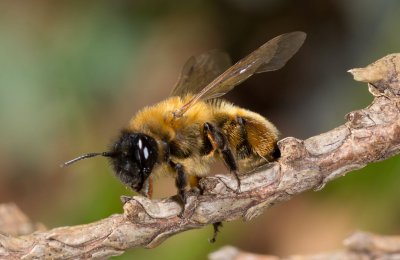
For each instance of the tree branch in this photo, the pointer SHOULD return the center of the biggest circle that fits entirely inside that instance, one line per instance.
(358, 246)
(15, 223)
(368, 135)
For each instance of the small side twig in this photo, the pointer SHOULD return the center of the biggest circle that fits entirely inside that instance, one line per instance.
(369, 135)
(14, 222)
(358, 246)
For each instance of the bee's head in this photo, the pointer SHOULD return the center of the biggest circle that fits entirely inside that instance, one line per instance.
(133, 157)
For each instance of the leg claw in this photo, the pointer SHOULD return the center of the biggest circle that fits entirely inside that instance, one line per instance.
(216, 226)
(124, 199)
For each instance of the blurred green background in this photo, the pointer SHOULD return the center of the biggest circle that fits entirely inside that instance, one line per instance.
(72, 73)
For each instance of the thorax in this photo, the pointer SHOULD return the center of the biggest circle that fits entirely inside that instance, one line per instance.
(159, 122)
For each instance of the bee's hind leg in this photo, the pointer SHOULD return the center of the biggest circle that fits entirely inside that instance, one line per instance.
(216, 226)
(219, 141)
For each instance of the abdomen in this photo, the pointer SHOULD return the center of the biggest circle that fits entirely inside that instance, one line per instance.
(251, 137)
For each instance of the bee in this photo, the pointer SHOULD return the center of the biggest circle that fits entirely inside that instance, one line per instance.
(182, 135)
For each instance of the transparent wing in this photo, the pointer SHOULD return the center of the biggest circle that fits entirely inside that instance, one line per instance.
(273, 55)
(199, 71)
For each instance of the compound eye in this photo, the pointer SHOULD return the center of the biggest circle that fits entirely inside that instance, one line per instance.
(145, 152)
(143, 149)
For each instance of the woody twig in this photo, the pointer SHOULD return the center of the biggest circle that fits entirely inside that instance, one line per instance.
(369, 135)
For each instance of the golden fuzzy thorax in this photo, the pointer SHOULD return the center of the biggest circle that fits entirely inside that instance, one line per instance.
(185, 135)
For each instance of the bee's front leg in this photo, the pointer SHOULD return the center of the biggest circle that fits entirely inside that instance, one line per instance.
(147, 188)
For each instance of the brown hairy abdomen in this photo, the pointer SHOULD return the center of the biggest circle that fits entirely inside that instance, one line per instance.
(250, 138)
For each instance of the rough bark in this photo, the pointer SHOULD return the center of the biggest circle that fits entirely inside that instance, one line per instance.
(368, 135)
(14, 222)
(358, 246)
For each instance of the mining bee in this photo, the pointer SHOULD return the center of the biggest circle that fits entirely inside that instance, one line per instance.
(182, 135)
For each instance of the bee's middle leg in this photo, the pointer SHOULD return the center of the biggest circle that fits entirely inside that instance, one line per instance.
(180, 181)
(219, 141)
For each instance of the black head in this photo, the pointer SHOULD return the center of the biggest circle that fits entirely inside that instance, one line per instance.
(133, 157)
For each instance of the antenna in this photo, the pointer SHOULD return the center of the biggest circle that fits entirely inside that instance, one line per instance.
(85, 156)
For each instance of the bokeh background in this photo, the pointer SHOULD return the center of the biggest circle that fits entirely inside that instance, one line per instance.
(72, 73)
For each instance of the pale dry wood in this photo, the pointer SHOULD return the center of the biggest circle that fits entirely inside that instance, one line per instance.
(368, 135)
(14, 222)
(358, 246)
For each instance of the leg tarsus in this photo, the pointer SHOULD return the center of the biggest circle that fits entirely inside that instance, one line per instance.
(181, 183)
(145, 191)
(216, 226)
(147, 188)
(276, 154)
(238, 181)
(124, 199)
(231, 163)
